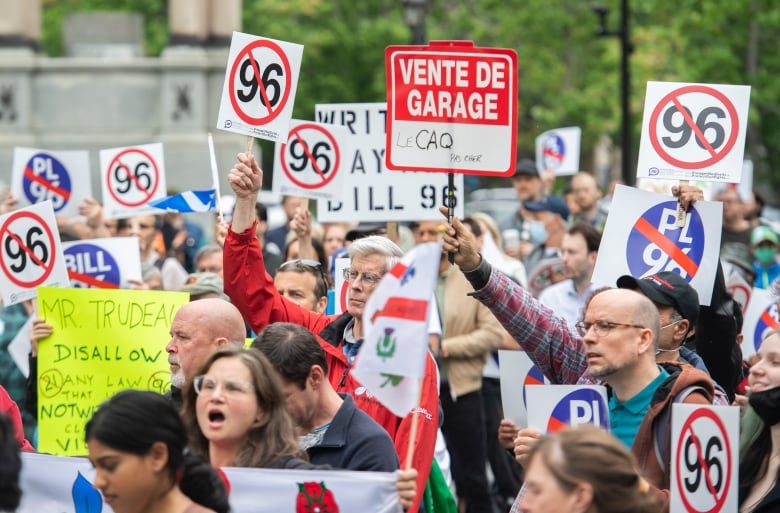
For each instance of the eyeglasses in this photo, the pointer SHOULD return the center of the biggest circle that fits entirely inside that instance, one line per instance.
(370, 279)
(207, 386)
(601, 327)
(306, 265)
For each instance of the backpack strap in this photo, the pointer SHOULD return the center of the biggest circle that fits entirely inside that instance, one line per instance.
(662, 426)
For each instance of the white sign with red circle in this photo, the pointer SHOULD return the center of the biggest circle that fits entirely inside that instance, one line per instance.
(131, 177)
(517, 371)
(30, 253)
(451, 107)
(704, 458)
(693, 132)
(63, 177)
(340, 286)
(260, 83)
(313, 161)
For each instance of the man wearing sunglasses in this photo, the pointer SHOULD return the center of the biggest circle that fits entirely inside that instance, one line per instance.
(255, 295)
(303, 281)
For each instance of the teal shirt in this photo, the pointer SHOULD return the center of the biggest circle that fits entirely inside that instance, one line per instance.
(625, 417)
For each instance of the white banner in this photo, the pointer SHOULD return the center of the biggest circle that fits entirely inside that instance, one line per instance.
(58, 483)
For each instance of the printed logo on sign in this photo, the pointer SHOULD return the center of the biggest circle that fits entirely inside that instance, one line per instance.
(260, 82)
(90, 266)
(553, 151)
(657, 244)
(585, 406)
(132, 177)
(767, 322)
(534, 377)
(703, 463)
(46, 178)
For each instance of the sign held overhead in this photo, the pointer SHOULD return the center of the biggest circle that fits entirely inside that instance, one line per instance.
(451, 107)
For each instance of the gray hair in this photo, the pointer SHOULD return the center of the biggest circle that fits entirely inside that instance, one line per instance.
(208, 250)
(376, 244)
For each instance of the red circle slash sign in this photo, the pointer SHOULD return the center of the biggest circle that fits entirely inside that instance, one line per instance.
(672, 101)
(15, 262)
(136, 177)
(692, 445)
(262, 79)
(312, 144)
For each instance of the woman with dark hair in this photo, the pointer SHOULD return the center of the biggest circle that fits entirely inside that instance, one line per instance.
(137, 444)
(584, 470)
(235, 413)
(759, 447)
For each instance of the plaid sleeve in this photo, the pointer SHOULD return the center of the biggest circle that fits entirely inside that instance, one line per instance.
(552, 345)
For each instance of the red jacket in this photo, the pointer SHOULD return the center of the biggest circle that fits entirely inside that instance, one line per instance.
(9, 408)
(252, 290)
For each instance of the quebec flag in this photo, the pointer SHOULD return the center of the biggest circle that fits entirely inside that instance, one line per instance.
(391, 360)
(188, 201)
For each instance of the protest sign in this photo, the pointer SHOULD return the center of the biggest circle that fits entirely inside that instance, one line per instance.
(103, 341)
(57, 483)
(371, 192)
(63, 177)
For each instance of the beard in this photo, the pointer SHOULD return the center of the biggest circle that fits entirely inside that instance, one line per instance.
(178, 380)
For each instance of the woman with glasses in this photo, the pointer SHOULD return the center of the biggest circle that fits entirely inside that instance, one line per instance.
(143, 466)
(235, 414)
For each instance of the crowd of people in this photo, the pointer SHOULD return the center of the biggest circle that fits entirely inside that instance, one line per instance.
(525, 282)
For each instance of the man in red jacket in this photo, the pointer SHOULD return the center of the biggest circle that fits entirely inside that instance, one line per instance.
(253, 292)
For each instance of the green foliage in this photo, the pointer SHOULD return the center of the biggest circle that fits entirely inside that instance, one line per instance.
(567, 75)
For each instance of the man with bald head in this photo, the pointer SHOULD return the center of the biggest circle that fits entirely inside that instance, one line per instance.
(199, 329)
(614, 344)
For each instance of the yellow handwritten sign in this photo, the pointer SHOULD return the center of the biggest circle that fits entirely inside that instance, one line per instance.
(103, 341)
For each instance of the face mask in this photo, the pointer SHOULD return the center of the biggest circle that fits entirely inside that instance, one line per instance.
(767, 405)
(765, 255)
(537, 233)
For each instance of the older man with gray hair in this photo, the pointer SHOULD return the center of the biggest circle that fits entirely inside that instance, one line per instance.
(253, 292)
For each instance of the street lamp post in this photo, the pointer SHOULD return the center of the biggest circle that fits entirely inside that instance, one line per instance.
(625, 81)
(415, 12)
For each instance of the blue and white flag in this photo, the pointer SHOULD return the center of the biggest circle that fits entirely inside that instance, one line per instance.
(395, 323)
(188, 201)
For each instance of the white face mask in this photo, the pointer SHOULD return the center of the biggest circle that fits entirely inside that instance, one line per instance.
(537, 232)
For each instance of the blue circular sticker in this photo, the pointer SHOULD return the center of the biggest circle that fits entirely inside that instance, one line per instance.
(553, 151)
(46, 178)
(583, 406)
(91, 266)
(657, 244)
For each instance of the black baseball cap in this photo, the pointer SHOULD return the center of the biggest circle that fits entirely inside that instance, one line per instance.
(666, 288)
(526, 167)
